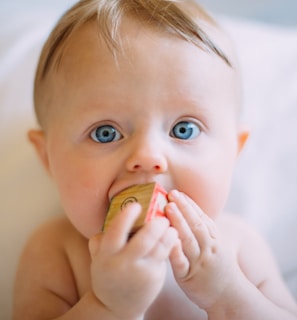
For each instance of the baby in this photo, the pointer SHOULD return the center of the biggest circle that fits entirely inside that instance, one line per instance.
(131, 92)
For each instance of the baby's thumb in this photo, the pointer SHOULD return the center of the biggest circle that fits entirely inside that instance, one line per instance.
(94, 244)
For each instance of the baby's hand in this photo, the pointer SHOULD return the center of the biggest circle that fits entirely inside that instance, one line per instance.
(127, 275)
(202, 263)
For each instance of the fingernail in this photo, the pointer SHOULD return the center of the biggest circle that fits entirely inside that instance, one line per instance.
(174, 194)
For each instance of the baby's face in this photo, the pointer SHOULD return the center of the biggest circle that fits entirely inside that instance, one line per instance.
(165, 112)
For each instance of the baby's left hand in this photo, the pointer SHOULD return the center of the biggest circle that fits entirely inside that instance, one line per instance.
(204, 264)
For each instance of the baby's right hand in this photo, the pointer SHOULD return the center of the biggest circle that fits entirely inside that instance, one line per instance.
(126, 275)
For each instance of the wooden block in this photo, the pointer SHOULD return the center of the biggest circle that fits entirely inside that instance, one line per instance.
(151, 196)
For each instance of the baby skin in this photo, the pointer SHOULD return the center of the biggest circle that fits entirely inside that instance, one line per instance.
(164, 111)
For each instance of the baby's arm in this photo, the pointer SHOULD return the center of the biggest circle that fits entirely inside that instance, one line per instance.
(47, 284)
(219, 273)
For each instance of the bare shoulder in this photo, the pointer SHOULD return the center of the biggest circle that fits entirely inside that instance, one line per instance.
(234, 224)
(46, 278)
(254, 253)
(55, 230)
(256, 260)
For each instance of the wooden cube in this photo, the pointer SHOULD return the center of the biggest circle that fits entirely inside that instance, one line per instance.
(152, 198)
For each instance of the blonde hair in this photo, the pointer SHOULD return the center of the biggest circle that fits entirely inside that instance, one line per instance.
(177, 16)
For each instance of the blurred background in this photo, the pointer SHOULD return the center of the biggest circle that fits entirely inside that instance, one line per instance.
(272, 11)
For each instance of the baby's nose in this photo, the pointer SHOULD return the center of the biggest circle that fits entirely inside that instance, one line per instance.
(149, 158)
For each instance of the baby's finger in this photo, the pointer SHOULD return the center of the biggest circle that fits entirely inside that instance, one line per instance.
(189, 242)
(197, 222)
(117, 234)
(163, 247)
(94, 244)
(145, 240)
(187, 206)
(211, 226)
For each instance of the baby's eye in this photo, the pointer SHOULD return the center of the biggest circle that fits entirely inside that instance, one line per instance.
(105, 134)
(185, 130)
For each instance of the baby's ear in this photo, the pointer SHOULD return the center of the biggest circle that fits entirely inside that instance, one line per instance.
(38, 139)
(243, 135)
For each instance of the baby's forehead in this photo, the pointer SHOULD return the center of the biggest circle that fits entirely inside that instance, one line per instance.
(195, 26)
(139, 40)
(88, 56)
(198, 29)
(133, 33)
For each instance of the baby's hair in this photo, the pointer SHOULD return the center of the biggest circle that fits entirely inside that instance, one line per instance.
(176, 16)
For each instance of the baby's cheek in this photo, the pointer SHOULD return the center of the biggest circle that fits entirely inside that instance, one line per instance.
(86, 213)
(209, 196)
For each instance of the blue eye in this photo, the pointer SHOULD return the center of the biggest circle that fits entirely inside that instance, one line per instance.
(105, 134)
(185, 130)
